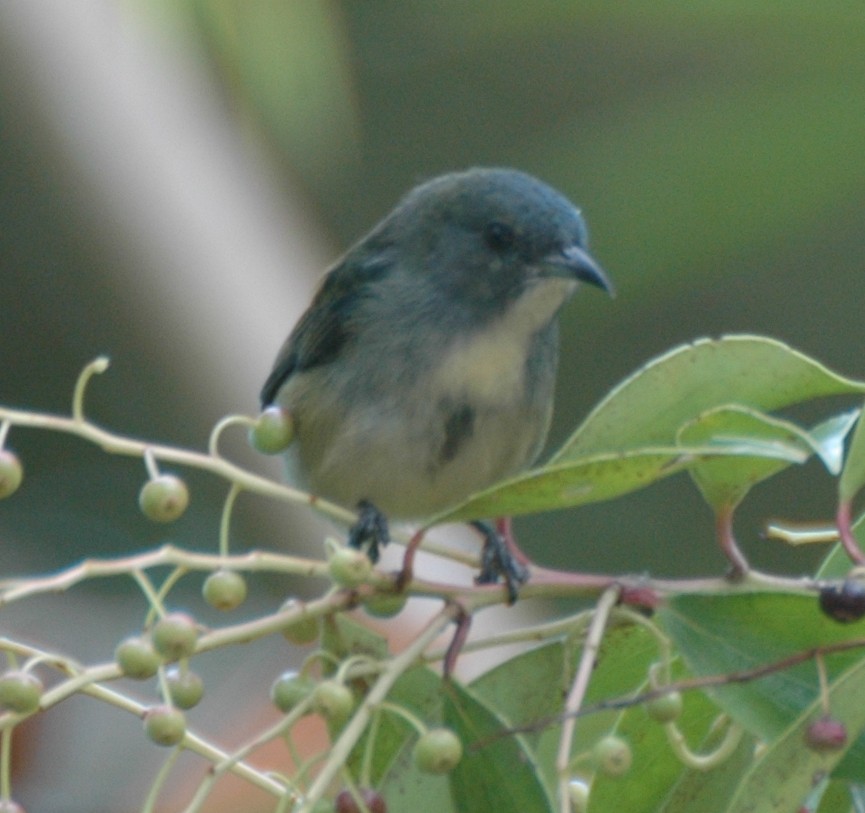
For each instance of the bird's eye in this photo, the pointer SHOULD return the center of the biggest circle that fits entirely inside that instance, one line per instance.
(499, 236)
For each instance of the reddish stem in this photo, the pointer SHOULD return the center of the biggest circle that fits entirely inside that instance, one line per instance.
(843, 519)
(464, 623)
(406, 574)
(504, 526)
(726, 539)
(634, 594)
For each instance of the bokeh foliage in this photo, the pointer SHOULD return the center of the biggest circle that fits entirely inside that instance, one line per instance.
(716, 148)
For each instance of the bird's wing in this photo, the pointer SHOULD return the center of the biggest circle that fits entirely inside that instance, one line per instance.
(325, 328)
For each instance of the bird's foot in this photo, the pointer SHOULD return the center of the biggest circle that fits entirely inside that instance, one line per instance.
(370, 532)
(498, 562)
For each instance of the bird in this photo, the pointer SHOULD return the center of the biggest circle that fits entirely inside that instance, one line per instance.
(424, 368)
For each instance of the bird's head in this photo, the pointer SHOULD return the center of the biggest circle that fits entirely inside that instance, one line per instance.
(484, 237)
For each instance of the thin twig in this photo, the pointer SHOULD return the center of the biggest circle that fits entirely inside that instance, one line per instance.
(594, 637)
(358, 723)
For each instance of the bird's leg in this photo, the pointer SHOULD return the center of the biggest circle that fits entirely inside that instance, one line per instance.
(501, 558)
(370, 532)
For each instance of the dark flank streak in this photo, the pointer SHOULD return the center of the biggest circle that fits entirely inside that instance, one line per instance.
(459, 426)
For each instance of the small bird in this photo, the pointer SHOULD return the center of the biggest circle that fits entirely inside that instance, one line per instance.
(425, 366)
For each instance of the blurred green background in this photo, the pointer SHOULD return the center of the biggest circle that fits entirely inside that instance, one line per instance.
(175, 175)
(717, 149)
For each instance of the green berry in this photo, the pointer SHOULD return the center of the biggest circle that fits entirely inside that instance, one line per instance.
(137, 658)
(185, 688)
(11, 473)
(289, 689)
(164, 498)
(224, 589)
(438, 751)
(578, 793)
(273, 431)
(20, 691)
(385, 605)
(349, 567)
(165, 725)
(612, 756)
(666, 708)
(334, 701)
(304, 630)
(174, 636)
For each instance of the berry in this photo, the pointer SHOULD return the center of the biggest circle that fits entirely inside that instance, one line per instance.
(164, 498)
(289, 689)
(224, 589)
(164, 725)
(346, 803)
(666, 708)
(11, 473)
(826, 734)
(273, 431)
(174, 636)
(334, 701)
(578, 793)
(844, 602)
(137, 658)
(349, 567)
(20, 691)
(612, 756)
(385, 605)
(185, 688)
(10, 806)
(437, 751)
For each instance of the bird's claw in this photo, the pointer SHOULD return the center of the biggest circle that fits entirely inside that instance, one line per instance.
(497, 562)
(370, 532)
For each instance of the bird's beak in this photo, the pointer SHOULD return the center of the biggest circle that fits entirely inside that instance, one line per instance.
(575, 262)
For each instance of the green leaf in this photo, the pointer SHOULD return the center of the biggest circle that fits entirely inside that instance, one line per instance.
(830, 436)
(723, 635)
(597, 478)
(784, 774)
(724, 481)
(857, 796)
(420, 691)
(853, 476)
(496, 772)
(658, 781)
(710, 791)
(531, 687)
(835, 798)
(836, 564)
(649, 407)
(343, 636)
(528, 687)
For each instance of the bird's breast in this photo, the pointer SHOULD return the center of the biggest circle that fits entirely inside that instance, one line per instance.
(416, 440)
(489, 363)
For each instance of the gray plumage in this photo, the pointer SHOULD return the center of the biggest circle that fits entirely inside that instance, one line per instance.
(424, 368)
